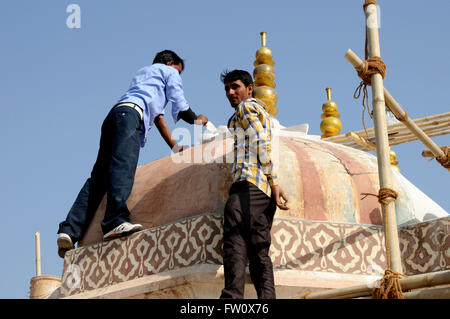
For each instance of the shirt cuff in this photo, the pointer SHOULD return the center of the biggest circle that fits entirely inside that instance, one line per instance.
(273, 180)
(188, 116)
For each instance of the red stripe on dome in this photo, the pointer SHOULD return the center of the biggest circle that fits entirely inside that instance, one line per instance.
(314, 205)
(369, 211)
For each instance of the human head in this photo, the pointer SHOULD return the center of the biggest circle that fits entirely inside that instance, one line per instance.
(238, 86)
(169, 58)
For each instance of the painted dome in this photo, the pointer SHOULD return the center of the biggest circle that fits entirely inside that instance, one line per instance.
(322, 180)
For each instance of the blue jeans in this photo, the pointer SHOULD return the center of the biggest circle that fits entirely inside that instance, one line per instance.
(113, 174)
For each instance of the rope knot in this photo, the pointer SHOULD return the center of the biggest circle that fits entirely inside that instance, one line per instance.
(369, 2)
(389, 286)
(386, 196)
(371, 66)
(445, 160)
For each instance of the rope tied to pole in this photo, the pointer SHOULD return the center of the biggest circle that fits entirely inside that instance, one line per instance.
(390, 287)
(369, 2)
(445, 160)
(371, 66)
(386, 196)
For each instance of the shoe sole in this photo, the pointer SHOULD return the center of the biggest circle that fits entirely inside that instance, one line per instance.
(123, 234)
(64, 245)
(62, 252)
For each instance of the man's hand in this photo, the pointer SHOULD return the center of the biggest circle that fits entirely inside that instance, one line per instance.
(179, 148)
(280, 197)
(201, 120)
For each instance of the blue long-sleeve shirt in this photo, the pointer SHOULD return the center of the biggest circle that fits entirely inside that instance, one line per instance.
(152, 88)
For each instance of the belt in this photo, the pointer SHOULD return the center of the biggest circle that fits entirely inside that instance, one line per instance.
(132, 105)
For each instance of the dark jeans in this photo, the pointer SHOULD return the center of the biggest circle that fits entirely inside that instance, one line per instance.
(113, 174)
(248, 219)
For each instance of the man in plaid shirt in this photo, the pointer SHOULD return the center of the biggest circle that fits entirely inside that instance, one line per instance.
(254, 195)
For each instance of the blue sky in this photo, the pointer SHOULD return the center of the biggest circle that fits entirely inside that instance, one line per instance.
(58, 84)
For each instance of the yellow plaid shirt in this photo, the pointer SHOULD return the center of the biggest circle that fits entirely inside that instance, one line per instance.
(251, 127)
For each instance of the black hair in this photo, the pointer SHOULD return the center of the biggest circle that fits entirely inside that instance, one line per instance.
(230, 76)
(166, 56)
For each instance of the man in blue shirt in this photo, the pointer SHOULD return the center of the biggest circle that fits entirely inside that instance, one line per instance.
(123, 132)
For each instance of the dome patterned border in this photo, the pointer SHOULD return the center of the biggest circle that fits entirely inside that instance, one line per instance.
(296, 244)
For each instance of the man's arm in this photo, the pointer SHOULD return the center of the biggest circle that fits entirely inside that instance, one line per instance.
(165, 133)
(175, 95)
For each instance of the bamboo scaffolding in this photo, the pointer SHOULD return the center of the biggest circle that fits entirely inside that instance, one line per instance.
(441, 128)
(412, 282)
(382, 143)
(359, 142)
(429, 293)
(397, 110)
(362, 141)
(351, 142)
(435, 125)
(425, 122)
(38, 253)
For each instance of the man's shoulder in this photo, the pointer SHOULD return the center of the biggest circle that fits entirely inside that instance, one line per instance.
(252, 105)
(158, 72)
(158, 68)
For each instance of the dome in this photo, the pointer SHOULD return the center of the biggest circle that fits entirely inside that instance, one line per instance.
(323, 181)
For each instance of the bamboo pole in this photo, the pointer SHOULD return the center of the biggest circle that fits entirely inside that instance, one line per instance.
(428, 123)
(38, 253)
(433, 293)
(362, 141)
(438, 129)
(395, 108)
(436, 293)
(382, 142)
(412, 282)
(395, 136)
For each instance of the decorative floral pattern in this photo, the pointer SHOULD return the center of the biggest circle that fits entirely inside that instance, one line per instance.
(425, 247)
(296, 244)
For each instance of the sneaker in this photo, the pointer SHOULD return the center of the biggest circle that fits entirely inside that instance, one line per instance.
(64, 244)
(123, 229)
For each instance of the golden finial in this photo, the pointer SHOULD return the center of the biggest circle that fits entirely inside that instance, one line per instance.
(328, 89)
(394, 161)
(263, 38)
(330, 125)
(264, 76)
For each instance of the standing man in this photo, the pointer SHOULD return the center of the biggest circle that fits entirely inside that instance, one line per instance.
(254, 195)
(123, 132)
